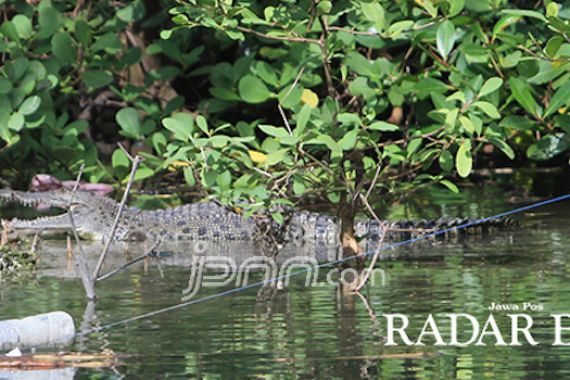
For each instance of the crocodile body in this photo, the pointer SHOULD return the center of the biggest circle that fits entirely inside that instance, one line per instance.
(94, 215)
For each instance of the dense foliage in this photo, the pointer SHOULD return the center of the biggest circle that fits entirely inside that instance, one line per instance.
(278, 100)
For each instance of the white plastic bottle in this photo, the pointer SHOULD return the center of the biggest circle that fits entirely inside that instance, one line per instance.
(38, 331)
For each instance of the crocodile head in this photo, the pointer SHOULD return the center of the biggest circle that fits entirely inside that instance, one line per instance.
(93, 215)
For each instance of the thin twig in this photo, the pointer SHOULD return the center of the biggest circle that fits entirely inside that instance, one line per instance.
(135, 164)
(325, 53)
(78, 257)
(383, 228)
(369, 309)
(133, 261)
(126, 152)
(353, 31)
(280, 108)
(277, 38)
(34, 246)
(374, 180)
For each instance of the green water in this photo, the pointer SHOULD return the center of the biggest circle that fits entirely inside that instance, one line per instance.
(319, 333)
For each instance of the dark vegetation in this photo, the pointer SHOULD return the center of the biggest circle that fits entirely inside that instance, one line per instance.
(277, 102)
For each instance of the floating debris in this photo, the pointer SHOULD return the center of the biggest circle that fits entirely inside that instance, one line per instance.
(15, 261)
(104, 359)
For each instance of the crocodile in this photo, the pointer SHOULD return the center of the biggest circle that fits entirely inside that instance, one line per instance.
(94, 216)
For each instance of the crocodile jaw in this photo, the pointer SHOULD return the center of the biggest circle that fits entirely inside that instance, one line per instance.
(61, 199)
(59, 223)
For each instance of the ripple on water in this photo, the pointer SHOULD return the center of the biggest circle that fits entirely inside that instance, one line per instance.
(319, 333)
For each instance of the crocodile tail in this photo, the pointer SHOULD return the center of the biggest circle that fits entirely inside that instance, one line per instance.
(442, 227)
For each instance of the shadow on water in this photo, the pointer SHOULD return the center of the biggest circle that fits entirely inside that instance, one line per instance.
(317, 332)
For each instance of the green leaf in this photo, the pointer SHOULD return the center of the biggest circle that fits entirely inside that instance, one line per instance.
(218, 141)
(348, 141)
(30, 105)
(5, 85)
(326, 140)
(132, 12)
(275, 157)
(547, 73)
(63, 48)
(96, 78)
(467, 124)
(290, 98)
(253, 90)
(360, 64)
(299, 187)
(450, 185)
(278, 217)
(374, 12)
(383, 126)
(490, 85)
(429, 7)
(455, 7)
(463, 159)
(553, 45)
(108, 42)
(143, 172)
(398, 27)
(16, 121)
(445, 38)
(561, 98)
(49, 20)
(517, 122)
(224, 180)
(130, 122)
(446, 161)
(488, 108)
(413, 146)
(427, 86)
(510, 60)
(274, 131)
(82, 32)
(189, 176)
(552, 9)
(202, 123)
(302, 118)
(548, 147)
(120, 163)
(23, 26)
(267, 73)
(180, 129)
(524, 12)
(224, 94)
(451, 118)
(523, 96)
(502, 145)
(8, 29)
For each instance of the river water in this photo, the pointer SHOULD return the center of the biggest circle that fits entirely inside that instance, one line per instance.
(317, 332)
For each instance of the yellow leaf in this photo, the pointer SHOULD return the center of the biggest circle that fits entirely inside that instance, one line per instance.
(562, 110)
(310, 98)
(176, 165)
(257, 157)
(180, 164)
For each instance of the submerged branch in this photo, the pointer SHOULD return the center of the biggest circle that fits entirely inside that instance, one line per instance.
(79, 257)
(135, 163)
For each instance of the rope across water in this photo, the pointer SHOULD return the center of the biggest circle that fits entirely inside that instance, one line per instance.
(329, 264)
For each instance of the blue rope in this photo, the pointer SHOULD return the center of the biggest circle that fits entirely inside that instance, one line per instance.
(301, 271)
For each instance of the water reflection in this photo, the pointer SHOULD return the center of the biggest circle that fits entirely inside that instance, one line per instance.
(318, 332)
